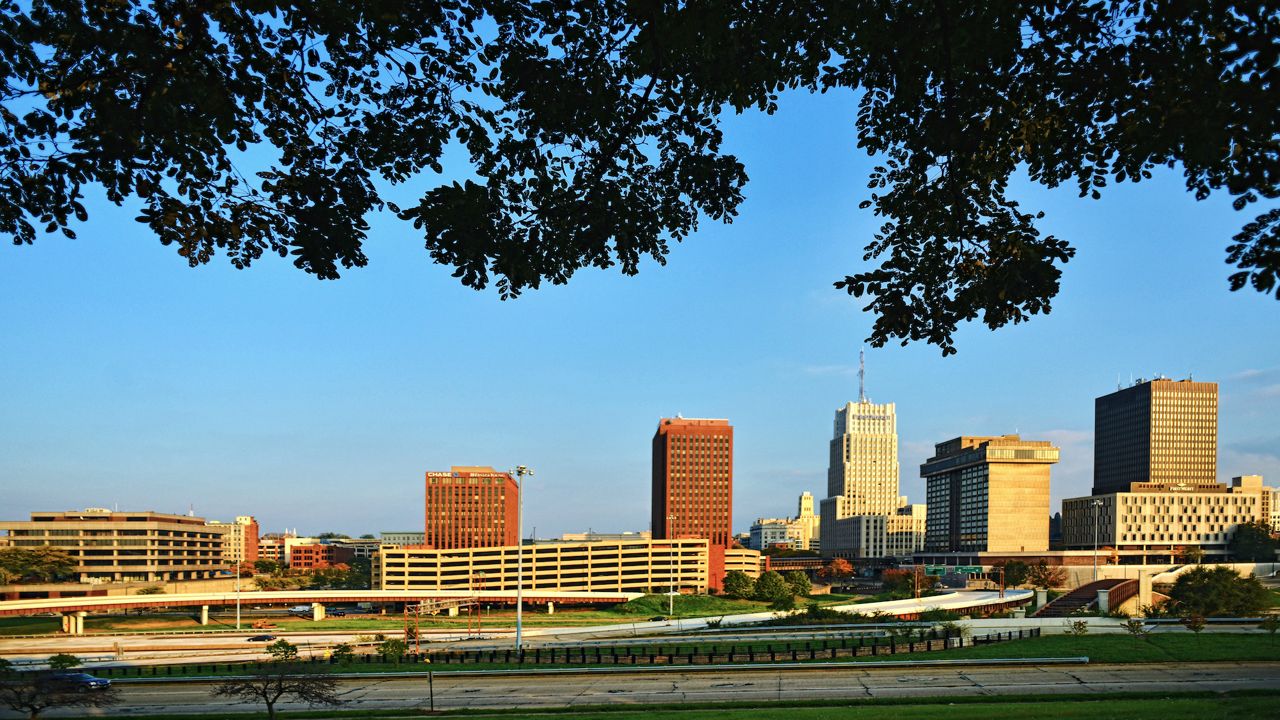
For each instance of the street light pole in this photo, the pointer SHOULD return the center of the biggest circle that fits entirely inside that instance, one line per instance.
(520, 472)
(671, 598)
(1097, 504)
(237, 596)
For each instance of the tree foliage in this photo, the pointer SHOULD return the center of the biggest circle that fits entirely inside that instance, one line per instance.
(837, 568)
(1044, 576)
(281, 681)
(771, 588)
(63, 661)
(738, 584)
(35, 692)
(588, 134)
(1252, 542)
(1217, 591)
(1016, 572)
(798, 582)
(42, 564)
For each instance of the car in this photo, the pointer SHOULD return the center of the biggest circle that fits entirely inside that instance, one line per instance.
(81, 681)
(262, 638)
(337, 613)
(658, 618)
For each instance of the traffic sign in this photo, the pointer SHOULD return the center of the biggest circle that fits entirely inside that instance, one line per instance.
(969, 569)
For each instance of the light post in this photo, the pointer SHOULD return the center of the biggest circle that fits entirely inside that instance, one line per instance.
(238, 596)
(671, 597)
(1097, 505)
(520, 472)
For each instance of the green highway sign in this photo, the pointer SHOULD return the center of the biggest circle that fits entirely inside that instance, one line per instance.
(935, 570)
(969, 569)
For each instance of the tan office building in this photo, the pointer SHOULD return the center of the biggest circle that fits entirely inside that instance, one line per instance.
(1156, 431)
(126, 546)
(988, 494)
(616, 566)
(1158, 521)
(239, 540)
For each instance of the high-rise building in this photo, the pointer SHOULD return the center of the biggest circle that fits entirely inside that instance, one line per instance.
(988, 494)
(469, 507)
(239, 540)
(862, 479)
(1159, 431)
(693, 480)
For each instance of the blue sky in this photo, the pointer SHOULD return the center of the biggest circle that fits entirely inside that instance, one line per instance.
(128, 378)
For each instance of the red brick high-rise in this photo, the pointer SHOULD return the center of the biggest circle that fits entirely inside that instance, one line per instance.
(470, 507)
(693, 480)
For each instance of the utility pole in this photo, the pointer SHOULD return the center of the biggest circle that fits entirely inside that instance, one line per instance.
(671, 597)
(520, 472)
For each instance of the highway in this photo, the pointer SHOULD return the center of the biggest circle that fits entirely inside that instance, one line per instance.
(545, 690)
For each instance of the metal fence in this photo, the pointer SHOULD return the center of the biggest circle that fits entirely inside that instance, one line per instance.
(716, 654)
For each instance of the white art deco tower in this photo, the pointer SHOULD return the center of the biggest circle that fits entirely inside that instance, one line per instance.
(862, 479)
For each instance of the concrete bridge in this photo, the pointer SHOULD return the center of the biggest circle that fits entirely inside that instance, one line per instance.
(74, 609)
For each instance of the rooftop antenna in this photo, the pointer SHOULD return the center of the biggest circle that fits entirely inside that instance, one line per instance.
(862, 376)
(1118, 385)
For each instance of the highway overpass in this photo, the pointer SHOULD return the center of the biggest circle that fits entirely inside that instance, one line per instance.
(74, 609)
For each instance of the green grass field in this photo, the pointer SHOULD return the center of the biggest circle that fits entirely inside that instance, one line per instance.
(1100, 649)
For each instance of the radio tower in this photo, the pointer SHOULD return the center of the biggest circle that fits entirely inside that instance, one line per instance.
(862, 376)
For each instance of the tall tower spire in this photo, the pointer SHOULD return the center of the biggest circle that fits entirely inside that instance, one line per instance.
(862, 376)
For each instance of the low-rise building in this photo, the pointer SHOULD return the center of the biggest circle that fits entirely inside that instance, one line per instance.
(312, 556)
(797, 533)
(691, 565)
(1158, 518)
(403, 539)
(126, 546)
(593, 536)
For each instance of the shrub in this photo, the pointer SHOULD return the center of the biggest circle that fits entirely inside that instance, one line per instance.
(63, 661)
(1077, 628)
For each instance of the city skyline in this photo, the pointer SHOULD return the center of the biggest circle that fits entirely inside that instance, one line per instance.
(131, 380)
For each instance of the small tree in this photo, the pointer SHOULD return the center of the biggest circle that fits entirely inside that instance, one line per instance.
(63, 661)
(343, 654)
(33, 693)
(798, 582)
(1044, 576)
(283, 651)
(770, 587)
(837, 568)
(151, 590)
(738, 584)
(279, 681)
(1137, 628)
(393, 649)
(1270, 624)
(1077, 628)
(1194, 623)
(1015, 573)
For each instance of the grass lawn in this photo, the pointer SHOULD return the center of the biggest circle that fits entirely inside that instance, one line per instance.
(685, 606)
(29, 625)
(1208, 647)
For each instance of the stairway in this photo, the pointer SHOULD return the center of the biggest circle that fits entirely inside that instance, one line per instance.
(1082, 597)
